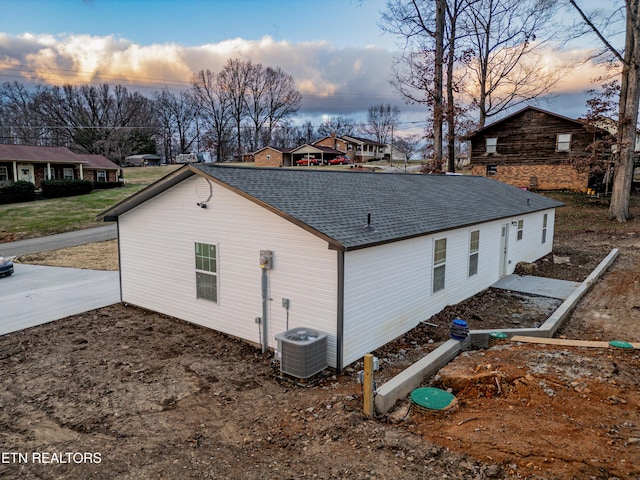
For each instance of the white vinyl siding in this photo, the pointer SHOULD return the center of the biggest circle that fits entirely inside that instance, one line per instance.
(383, 283)
(157, 264)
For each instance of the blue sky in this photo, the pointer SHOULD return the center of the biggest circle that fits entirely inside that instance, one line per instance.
(334, 49)
(345, 23)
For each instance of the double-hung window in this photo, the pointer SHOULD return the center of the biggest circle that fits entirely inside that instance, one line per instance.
(520, 230)
(544, 228)
(4, 174)
(206, 271)
(491, 145)
(101, 175)
(563, 142)
(439, 263)
(67, 173)
(474, 251)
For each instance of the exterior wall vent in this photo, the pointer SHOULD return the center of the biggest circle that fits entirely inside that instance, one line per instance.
(303, 352)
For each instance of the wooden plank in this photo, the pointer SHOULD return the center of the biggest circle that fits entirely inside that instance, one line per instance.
(565, 342)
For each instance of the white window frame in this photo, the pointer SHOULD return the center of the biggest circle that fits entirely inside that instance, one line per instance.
(439, 264)
(544, 227)
(491, 145)
(207, 270)
(4, 174)
(492, 170)
(68, 173)
(520, 231)
(474, 252)
(563, 142)
(101, 176)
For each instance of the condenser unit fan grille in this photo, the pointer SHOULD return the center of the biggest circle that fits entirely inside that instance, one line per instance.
(303, 352)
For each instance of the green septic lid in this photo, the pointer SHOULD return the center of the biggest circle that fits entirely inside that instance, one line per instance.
(620, 344)
(498, 335)
(432, 398)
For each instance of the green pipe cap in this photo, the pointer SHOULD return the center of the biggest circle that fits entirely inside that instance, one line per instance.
(432, 398)
(620, 344)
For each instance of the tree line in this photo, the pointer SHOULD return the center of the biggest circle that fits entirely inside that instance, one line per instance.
(237, 110)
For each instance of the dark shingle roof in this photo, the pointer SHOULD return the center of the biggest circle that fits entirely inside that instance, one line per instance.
(335, 204)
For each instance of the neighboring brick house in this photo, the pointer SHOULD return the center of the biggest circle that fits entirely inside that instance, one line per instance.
(530, 149)
(35, 164)
(99, 169)
(356, 148)
(273, 157)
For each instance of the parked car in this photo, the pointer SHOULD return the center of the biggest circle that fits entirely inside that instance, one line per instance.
(342, 160)
(6, 266)
(308, 161)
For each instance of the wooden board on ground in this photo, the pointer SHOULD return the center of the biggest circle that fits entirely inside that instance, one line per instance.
(566, 342)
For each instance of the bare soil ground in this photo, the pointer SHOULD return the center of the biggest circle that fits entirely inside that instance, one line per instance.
(156, 397)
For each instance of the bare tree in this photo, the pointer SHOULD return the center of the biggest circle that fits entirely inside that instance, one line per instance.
(178, 113)
(506, 40)
(381, 120)
(234, 80)
(338, 125)
(419, 72)
(628, 104)
(215, 108)
(410, 144)
(282, 98)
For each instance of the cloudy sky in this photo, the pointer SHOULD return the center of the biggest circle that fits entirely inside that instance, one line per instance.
(334, 49)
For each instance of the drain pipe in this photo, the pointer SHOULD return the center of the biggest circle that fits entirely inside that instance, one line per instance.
(266, 263)
(265, 300)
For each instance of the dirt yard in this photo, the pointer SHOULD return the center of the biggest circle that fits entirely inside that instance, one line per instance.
(121, 392)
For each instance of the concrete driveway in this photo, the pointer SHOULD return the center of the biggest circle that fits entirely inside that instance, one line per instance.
(34, 294)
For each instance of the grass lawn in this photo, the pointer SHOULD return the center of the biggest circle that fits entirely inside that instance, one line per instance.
(19, 221)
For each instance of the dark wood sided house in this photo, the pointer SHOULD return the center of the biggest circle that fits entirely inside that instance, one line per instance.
(532, 149)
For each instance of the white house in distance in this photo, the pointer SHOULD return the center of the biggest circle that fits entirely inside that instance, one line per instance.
(363, 257)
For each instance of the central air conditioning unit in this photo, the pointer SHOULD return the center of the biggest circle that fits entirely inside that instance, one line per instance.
(303, 352)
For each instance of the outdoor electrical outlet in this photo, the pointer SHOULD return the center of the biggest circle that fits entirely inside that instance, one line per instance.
(258, 319)
(285, 302)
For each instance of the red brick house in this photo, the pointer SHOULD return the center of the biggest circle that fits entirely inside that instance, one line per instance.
(273, 157)
(99, 168)
(356, 148)
(35, 164)
(530, 149)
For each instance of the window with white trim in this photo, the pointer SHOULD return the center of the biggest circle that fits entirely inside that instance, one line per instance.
(544, 228)
(491, 144)
(563, 142)
(520, 230)
(439, 263)
(474, 252)
(492, 170)
(206, 271)
(4, 174)
(101, 176)
(67, 173)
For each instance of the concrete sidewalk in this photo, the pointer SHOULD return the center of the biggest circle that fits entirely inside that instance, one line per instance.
(532, 285)
(34, 294)
(60, 240)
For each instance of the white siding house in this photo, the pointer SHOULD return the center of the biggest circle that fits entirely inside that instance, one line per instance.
(353, 253)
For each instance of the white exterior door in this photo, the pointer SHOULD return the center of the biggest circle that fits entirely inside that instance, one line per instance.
(504, 249)
(25, 172)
